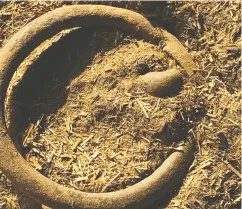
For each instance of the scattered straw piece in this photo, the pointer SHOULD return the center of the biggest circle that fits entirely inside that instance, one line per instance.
(83, 143)
(233, 169)
(107, 185)
(143, 108)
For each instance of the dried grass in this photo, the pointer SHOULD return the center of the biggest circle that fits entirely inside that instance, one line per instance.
(211, 115)
(116, 139)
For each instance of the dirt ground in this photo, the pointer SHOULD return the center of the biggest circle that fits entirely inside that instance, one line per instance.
(112, 119)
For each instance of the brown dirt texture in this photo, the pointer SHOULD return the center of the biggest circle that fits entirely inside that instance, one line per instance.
(86, 123)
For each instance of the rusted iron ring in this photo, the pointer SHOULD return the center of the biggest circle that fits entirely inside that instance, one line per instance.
(43, 189)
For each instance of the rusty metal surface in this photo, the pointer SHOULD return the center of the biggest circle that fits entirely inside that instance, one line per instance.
(43, 189)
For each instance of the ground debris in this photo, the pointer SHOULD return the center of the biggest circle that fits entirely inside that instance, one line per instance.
(212, 33)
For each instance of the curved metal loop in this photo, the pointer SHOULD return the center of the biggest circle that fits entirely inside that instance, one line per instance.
(43, 189)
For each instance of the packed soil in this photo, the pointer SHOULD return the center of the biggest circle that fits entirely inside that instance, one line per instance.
(89, 126)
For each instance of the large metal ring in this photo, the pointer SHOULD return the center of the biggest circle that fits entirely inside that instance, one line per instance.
(42, 189)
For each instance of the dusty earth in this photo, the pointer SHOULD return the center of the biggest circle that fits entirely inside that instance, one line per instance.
(97, 131)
